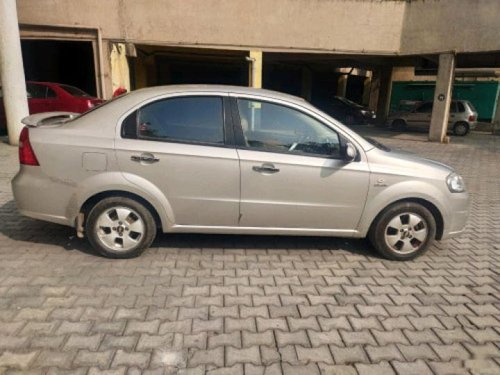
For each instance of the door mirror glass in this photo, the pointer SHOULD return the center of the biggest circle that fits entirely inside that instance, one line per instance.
(350, 152)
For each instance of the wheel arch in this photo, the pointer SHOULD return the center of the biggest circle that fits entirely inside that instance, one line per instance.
(438, 216)
(400, 119)
(94, 199)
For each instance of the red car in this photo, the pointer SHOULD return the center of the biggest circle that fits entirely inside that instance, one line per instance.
(48, 97)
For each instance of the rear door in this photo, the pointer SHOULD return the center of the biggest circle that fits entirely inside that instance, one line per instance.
(37, 98)
(453, 113)
(183, 145)
(52, 100)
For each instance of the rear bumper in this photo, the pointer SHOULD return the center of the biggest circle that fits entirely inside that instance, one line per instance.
(40, 197)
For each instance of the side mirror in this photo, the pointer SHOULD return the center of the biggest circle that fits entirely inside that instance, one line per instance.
(350, 152)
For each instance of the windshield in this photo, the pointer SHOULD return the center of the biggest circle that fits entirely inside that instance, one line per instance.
(348, 102)
(74, 91)
(377, 144)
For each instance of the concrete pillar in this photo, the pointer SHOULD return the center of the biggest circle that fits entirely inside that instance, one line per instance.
(342, 85)
(120, 74)
(442, 97)
(384, 94)
(255, 69)
(367, 83)
(12, 70)
(306, 84)
(374, 90)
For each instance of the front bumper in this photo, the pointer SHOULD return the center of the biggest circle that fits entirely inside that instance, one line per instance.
(457, 215)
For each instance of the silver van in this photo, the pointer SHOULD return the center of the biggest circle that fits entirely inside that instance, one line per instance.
(222, 159)
(463, 117)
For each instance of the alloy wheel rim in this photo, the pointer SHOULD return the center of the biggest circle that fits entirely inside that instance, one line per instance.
(120, 228)
(406, 233)
(461, 129)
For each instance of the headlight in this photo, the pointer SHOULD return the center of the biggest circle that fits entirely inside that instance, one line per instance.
(455, 183)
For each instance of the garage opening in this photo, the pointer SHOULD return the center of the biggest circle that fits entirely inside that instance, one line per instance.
(68, 62)
(163, 65)
(314, 77)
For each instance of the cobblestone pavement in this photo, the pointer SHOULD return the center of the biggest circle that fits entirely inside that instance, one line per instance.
(198, 304)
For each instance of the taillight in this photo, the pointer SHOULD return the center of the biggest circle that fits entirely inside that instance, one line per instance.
(472, 118)
(26, 154)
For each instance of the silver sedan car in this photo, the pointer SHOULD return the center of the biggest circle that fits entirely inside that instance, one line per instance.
(220, 159)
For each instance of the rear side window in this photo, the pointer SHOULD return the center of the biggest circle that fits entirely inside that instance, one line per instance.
(129, 126)
(461, 107)
(197, 119)
(51, 93)
(36, 91)
(75, 91)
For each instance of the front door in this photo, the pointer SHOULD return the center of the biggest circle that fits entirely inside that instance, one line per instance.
(180, 144)
(421, 116)
(292, 172)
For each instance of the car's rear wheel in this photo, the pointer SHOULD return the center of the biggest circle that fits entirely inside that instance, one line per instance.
(461, 129)
(398, 125)
(403, 231)
(119, 227)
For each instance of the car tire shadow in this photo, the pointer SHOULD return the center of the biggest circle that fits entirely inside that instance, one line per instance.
(16, 227)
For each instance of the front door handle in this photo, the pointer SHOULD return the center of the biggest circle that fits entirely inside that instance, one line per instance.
(265, 168)
(145, 158)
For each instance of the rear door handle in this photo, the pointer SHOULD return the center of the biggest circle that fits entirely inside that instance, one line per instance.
(265, 168)
(145, 158)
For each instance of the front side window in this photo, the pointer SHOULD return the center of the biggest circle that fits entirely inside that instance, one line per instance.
(184, 119)
(276, 128)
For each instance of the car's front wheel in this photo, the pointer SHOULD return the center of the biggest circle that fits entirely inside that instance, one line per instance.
(119, 227)
(403, 231)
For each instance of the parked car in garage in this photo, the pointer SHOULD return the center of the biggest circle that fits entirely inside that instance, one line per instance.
(222, 159)
(49, 97)
(349, 112)
(463, 117)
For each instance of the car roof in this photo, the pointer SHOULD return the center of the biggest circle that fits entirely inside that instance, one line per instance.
(43, 83)
(159, 90)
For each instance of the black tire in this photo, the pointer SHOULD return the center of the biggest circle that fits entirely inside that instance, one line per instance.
(379, 229)
(143, 241)
(399, 125)
(461, 129)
